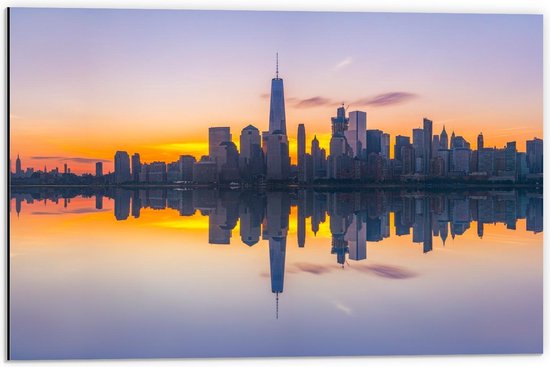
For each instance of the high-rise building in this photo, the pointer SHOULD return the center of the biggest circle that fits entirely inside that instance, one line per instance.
(400, 142)
(534, 155)
(419, 151)
(173, 172)
(340, 160)
(122, 167)
(374, 141)
(230, 167)
(444, 139)
(340, 122)
(156, 172)
(301, 152)
(480, 141)
(435, 145)
(486, 161)
(275, 141)
(356, 134)
(216, 136)
(408, 158)
(510, 157)
(186, 163)
(136, 166)
(99, 169)
(18, 169)
(318, 158)
(385, 145)
(205, 171)
(427, 127)
(251, 157)
(277, 116)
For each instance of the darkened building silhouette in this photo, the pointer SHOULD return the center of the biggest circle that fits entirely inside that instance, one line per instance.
(122, 167)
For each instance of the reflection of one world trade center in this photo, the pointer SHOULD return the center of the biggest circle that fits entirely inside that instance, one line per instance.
(275, 230)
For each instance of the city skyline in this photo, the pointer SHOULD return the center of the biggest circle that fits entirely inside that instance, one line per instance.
(455, 77)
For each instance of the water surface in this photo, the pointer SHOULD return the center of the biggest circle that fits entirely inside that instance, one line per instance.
(205, 273)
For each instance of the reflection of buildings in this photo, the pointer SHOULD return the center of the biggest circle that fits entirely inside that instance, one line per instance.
(122, 204)
(275, 230)
(353, 217)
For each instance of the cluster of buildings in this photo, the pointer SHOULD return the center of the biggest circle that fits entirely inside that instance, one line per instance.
(355, 154)
(29, 171)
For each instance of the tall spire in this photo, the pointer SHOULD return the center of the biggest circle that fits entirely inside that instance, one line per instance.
(277, 306)
(277, 65)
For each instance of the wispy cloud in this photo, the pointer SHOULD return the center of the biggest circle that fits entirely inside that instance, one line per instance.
(85, 210)
(386, 271)
(379, 100)
(312, 268)
(312, 102)
(386, 99)
(69, 159)
(342, 64)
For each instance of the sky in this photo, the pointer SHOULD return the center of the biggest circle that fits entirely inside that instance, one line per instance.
(85, 83)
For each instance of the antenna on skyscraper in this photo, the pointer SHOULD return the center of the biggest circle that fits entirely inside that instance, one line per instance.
(277, 65)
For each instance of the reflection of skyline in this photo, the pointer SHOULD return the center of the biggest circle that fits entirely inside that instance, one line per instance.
(354, 218)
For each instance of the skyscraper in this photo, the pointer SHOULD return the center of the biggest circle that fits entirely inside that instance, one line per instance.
(534, 155)
(340, 122)
(250, 158)
(216, 136)
(275, 141)
(385, 145)
(18, 169)
(400, 142)
(230, 168)
(122, 167)
(480, 141)
(356, 133)
(99, 169)
(427, 143)
(136, 166)
(301, 152)
(418, 145)
(318, 159)
(277, 116)
(374, 141)
(444, 139)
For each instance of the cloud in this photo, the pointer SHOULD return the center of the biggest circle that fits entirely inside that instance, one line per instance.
(386, 99)
(264, 96)
(85, 210)
(71, 159)
(313, 268)
(380, 100)
(312, 102)
(343, 63)
(386, 271)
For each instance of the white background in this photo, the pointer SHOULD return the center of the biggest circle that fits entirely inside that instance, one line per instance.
(447, 6)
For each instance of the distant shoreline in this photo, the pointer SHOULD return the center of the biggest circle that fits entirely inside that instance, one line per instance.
(278, 186)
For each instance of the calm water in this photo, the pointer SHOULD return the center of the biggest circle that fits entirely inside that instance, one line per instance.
(166, 273)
